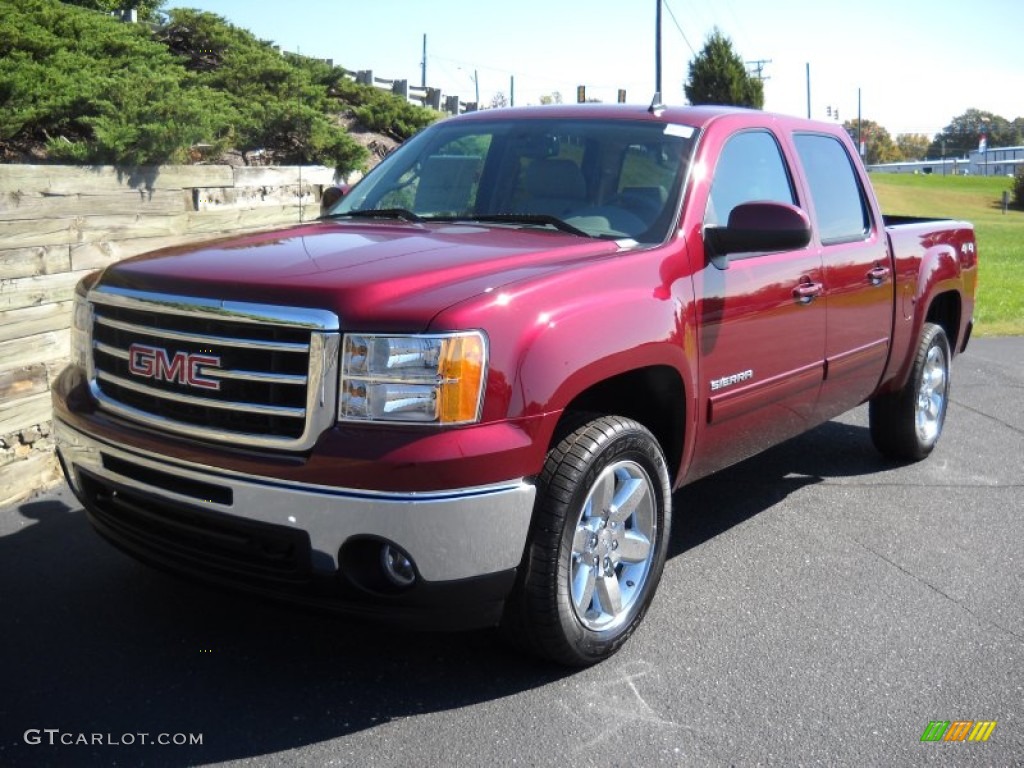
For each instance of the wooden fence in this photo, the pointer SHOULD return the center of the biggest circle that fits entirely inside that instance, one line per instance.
(58, 223)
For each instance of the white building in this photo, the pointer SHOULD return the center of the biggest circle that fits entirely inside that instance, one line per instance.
(998, 161)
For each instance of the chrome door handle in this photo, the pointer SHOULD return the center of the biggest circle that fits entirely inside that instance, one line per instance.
(878, 275)
(807, 291)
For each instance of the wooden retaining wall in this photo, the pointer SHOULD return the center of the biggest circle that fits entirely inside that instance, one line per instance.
(58, 223)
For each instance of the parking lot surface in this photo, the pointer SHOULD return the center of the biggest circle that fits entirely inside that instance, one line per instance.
(820, 606)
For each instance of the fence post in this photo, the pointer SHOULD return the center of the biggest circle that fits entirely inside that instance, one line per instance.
(400, 88)
(364, 77)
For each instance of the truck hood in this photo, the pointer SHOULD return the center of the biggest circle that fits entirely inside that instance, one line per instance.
(373, 275)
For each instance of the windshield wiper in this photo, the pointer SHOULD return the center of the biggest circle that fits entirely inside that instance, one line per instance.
(530, 219)
(377, 213)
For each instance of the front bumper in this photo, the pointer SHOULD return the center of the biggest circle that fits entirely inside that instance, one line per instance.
(309, 543)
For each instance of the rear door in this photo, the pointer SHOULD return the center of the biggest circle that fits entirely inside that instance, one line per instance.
(761, 323)
(858, 275)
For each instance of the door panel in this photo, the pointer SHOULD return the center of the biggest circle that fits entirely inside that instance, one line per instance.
(761, 321)
(857, 275)
(761, 348)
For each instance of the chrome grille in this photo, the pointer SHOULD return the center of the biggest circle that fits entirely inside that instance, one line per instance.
(247, 374)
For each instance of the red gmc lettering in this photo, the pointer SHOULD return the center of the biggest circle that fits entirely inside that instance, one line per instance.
(155, 363)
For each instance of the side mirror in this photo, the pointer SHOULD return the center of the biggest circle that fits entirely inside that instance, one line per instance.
(759, 227)
(330, 196)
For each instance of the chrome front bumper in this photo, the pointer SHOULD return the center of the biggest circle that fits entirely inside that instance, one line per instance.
(449, 535)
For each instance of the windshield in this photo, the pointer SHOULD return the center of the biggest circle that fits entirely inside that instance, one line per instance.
(597, 178)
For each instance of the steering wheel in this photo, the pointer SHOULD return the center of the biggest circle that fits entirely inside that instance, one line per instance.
(639, 205)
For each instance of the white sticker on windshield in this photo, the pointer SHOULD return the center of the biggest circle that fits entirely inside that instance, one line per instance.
(682, 131)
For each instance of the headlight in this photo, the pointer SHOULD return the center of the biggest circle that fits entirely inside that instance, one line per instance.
(81, 324)
(424, 379)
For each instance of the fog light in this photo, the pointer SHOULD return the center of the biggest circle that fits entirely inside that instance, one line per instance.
(397, 566)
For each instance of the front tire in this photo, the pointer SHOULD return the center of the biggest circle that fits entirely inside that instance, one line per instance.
(597, 546)
(906, 425)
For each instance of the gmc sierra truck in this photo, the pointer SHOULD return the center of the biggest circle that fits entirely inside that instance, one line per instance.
(465, 395)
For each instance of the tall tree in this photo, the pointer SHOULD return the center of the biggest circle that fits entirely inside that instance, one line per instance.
(878, 144)
(718, 76)
(962, 135)
(912, 146)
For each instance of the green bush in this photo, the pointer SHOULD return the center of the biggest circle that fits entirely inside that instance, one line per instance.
(91, 89)
(96, 90)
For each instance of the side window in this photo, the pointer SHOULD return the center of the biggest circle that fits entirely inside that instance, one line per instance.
(750, 168)
(838, 197)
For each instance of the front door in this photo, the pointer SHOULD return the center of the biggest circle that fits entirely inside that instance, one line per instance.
(761, 321)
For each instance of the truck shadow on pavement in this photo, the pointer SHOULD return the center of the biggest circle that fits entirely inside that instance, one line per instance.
(715, 504)
(94, 643)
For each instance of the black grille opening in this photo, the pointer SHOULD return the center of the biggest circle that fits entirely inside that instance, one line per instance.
(184, 486)
(204, 326)
(201, 540)
(242, 422)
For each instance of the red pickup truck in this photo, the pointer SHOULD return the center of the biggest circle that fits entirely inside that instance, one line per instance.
(465, 395)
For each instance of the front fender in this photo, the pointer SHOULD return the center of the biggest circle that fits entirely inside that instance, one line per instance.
(554, 338)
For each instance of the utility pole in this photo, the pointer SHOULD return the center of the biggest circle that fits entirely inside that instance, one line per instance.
(423, 79)
(808, 90)
(511, 90)
(860, 140)
(757, 68)
(657, 52)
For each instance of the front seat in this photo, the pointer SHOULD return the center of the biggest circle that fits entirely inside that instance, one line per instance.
(554, 186)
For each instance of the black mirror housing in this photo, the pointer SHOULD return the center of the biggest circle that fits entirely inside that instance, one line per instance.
(757, 227)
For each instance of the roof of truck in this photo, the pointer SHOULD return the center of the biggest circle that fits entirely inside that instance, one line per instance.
(697, 116)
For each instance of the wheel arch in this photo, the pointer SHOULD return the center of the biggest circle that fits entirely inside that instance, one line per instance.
(654, 396)
(945, 311)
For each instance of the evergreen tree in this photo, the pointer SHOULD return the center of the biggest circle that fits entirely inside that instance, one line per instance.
(97, 90)
(717, 76)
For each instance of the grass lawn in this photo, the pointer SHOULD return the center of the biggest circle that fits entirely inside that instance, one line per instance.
(977, 199)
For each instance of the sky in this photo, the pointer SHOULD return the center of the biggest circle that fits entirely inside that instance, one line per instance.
(917, 64)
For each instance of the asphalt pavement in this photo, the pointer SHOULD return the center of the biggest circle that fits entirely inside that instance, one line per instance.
(820, 606)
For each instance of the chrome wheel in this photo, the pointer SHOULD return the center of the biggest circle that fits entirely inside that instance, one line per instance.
(906, 423)
(613, 546)
(598, 542)
(931, 396)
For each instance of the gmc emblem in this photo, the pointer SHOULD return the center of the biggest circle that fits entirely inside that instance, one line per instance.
(183, 368)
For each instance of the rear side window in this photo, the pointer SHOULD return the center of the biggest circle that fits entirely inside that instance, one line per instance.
(838, 196)
(750, 168)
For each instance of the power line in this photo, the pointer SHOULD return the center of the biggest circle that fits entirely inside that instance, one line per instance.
(757, 68)
(676, 22)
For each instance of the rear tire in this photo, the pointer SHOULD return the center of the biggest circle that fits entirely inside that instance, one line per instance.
(597, 545)
(906, 425)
